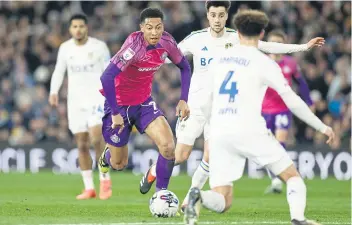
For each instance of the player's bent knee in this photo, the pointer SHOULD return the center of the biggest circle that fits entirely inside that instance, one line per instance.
(182, 152)
(288, 173)
(181, 158)
(167, 149)
(119, 166)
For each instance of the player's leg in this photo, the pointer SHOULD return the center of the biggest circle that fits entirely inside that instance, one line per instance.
(151, 121)
(115, 154)
(96, 139)
(282, 122)
(85, 164)
(187, 131)
(182, 152)
(219, 198)
(201, 174)
(114, 157)
(77, 122)
(279, 162)
(160, 132)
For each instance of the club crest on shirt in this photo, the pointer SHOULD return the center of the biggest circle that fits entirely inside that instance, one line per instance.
(163, 56)
(128, 54)
(114, 138)
(228, 45)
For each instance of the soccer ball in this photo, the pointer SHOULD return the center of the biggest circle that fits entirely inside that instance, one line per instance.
(163, 203)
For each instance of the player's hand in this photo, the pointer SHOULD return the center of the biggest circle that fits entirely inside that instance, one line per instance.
(54, 100)
(182, 110)
(316, 42)
(117, 121)
(330, 134)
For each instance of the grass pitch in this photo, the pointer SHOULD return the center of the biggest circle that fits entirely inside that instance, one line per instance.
(45, 198)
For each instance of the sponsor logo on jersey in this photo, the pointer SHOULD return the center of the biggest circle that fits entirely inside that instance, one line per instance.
(205, 48)
(128, 54)
(228, 45)
(90, 55)
(82, 68)
(148, 69)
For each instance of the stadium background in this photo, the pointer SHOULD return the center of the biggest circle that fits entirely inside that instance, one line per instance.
(35, 136)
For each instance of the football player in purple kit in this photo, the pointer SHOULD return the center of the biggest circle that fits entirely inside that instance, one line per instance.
(127, 87)
(275, 112)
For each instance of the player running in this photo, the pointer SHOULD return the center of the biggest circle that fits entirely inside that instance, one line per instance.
(203, 45)
(274, 110)
(84, 58)
(127, 86)
(241, 77)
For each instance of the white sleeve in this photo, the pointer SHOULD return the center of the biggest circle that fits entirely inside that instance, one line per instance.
(275, 79)
(59, 72)
(279, 48)
(105, 55)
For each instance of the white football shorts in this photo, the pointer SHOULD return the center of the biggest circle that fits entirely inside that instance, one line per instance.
(81, 118)
(187, 131)
(228, 153)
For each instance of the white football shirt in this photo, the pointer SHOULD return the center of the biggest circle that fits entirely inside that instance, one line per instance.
(84, 65)
(241, 78)
(204, 47)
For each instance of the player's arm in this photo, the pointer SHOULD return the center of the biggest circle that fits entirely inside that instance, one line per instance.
(118, 64)
(57, 77)
(279, 48)
(303, 86)
(184, 46)
(181, 62)
(274, 79)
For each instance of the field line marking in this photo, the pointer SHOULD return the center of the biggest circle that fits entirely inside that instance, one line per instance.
(200, 223)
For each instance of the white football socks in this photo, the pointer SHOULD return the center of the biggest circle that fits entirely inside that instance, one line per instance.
(213, 201)
(296, 197)
(88, 179)
(201, 175)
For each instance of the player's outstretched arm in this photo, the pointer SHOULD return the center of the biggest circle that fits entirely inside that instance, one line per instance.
(57, 77)
(302, 111)
(279, 48)
(274, 79)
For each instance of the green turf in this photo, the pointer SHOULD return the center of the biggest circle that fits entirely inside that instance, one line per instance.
(47, 198)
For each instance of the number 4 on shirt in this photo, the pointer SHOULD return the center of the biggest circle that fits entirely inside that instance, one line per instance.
(232, 91)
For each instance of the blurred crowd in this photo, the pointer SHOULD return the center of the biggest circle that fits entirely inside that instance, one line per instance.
(31, 32)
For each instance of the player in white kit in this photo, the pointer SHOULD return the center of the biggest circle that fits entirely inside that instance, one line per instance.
(203, 45)
(241, 76)
(84, 58)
